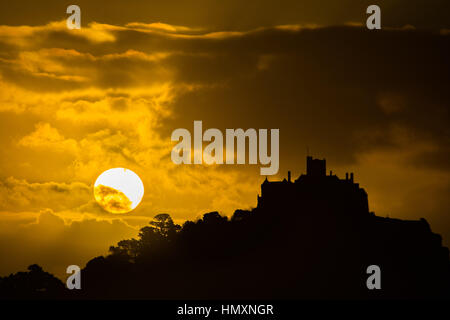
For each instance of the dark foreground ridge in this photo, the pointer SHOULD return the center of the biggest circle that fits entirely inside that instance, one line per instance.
(309, 238)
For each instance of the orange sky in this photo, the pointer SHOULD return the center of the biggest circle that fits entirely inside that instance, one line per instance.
(74, 103)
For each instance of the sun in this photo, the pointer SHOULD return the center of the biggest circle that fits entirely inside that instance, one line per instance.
(118, 190)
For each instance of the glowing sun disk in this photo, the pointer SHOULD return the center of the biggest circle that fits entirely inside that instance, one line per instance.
(118, 190)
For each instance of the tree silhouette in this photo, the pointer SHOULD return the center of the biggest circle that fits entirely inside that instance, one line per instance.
(152, 240)
(164, 225)
(34, 284)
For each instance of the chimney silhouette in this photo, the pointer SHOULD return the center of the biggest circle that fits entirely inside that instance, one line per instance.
(351, 177)
(289, 176)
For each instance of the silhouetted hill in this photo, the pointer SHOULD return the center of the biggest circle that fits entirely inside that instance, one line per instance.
(34, 284)
(311, 238)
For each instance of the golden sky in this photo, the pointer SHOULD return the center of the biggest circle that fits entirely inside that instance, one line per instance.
(74, 103)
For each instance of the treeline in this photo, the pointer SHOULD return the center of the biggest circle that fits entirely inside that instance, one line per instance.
(257, 255)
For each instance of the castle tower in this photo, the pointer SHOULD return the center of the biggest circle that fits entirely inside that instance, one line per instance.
(315, 167)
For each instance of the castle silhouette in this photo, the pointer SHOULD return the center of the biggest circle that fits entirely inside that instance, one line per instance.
(341, 199)
(315, 189)
(312, 238)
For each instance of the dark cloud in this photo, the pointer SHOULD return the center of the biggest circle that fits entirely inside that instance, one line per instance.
(437, 159)
(341, 91)
(330, 89)
(232, 14)
(111, 199)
